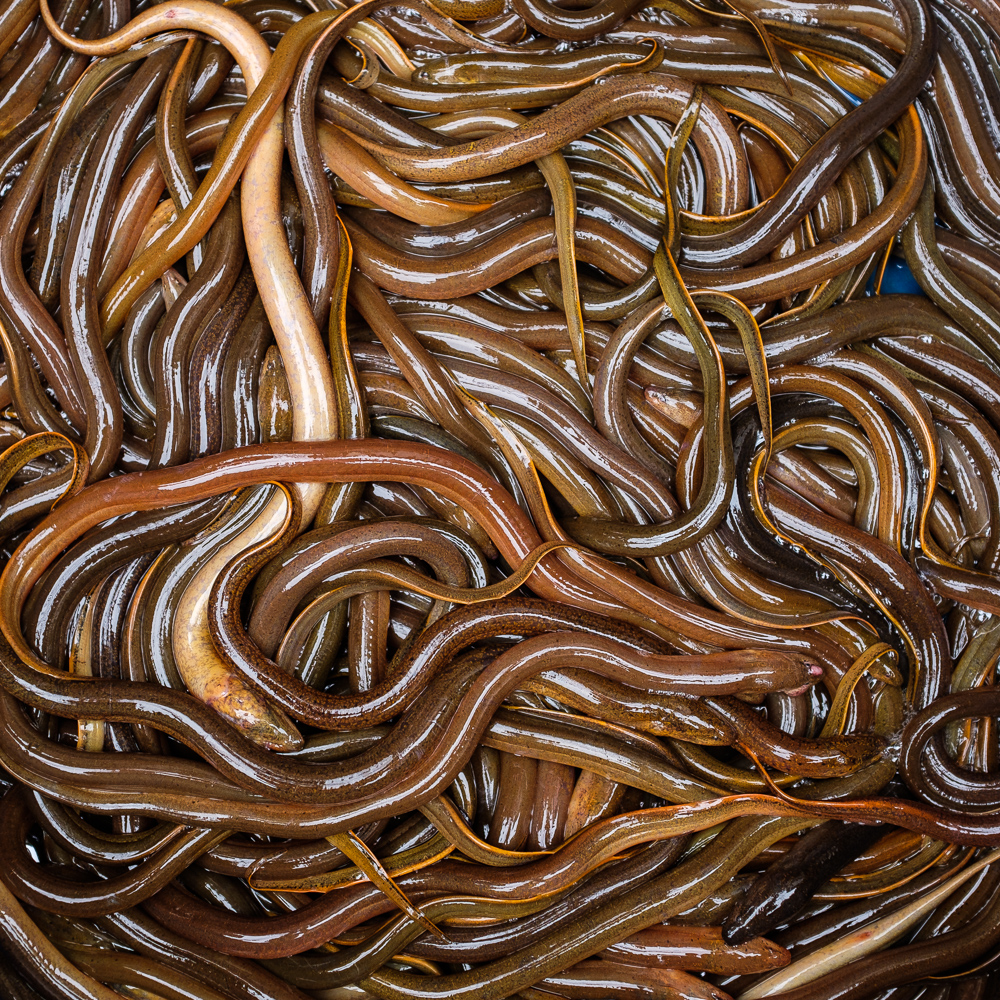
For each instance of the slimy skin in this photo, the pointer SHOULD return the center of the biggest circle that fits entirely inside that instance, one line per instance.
(479, 517)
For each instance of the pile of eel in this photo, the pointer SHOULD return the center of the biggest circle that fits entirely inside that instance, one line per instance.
(499, 498)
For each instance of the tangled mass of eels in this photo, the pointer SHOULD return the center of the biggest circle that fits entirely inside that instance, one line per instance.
(499, 498)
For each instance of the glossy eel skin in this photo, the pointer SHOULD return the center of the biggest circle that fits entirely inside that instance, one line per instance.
(499, 498)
